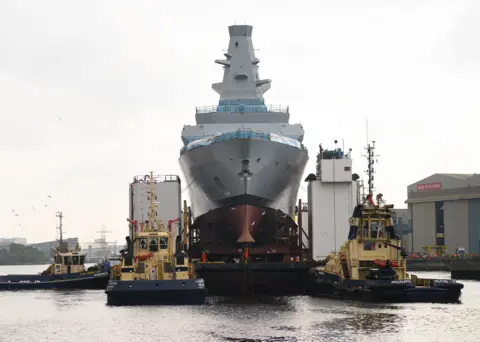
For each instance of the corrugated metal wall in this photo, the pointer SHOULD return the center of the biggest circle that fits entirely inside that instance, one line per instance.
(423, 225)
(439, 224)
(456, 224)
(474, 226)
(331, 207)
(169, 206)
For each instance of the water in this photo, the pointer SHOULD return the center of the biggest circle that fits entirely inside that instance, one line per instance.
(84, 316)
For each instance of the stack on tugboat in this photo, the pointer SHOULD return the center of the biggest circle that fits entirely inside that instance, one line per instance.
(67, 272)
(371, 264)
(151, 273)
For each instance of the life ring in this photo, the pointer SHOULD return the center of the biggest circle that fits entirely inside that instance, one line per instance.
(143, 257)
(383, 263)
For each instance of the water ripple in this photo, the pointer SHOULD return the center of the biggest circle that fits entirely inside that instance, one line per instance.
(62, 315)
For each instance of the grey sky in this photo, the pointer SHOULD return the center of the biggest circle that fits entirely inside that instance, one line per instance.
(124, 77)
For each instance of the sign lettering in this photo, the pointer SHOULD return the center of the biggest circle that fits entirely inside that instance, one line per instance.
(429, 186)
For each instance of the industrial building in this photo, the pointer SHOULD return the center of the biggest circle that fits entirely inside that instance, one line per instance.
(47, 247)
(403, 227)
(445, 211)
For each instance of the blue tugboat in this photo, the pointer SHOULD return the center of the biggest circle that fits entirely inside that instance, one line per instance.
(67, 272)
(150, 273)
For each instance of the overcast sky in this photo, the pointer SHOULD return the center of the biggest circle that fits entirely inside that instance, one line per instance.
(124, 77)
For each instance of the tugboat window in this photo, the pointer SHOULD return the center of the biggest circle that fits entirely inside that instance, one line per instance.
(75, 259)
(164, 243)
(82, 259)
(381, 230)
(153, 245)
(365, 230)
(373, 229)
(143, 243)
(68, 260)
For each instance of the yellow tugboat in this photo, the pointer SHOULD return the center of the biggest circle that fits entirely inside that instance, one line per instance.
(371, 264)
(67, 272)
(151, 273)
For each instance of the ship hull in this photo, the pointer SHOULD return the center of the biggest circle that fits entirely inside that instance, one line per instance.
(324, 284)
(155, 292)
(215, 174)
(96, 281)
(270, 234)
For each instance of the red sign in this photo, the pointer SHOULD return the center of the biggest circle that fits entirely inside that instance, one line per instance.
(429, 186)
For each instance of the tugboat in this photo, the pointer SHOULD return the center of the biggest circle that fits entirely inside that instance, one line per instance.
(67, 272)
(151, 273)
(371, 264)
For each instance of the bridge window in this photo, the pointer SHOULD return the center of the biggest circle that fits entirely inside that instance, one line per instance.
(381, 230)
(373, 229)
(164, 243)
(75, 259)
(82, 259)
(365, 230)
(67, 260)
(153, 245)
(143, 244)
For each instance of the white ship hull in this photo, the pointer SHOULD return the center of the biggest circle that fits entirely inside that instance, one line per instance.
(214, 175)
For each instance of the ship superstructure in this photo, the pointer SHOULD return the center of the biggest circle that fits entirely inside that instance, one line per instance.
(242, 154)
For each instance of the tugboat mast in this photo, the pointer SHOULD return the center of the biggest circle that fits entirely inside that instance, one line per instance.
(152, 214)
(59, 214)
(370, 170)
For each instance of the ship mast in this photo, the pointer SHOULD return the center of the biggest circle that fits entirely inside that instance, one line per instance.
(240, 77)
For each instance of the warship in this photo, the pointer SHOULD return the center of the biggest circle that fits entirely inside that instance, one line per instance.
(243, 162)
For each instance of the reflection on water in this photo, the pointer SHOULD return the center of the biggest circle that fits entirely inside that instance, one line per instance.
(49, 316)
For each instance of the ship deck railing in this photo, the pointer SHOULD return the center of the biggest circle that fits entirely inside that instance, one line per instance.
(239, 134)
(159, 178)
(242, 109)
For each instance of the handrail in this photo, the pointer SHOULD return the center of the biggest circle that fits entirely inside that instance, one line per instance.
(239, 108)
(239, 134)
(158, 178)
